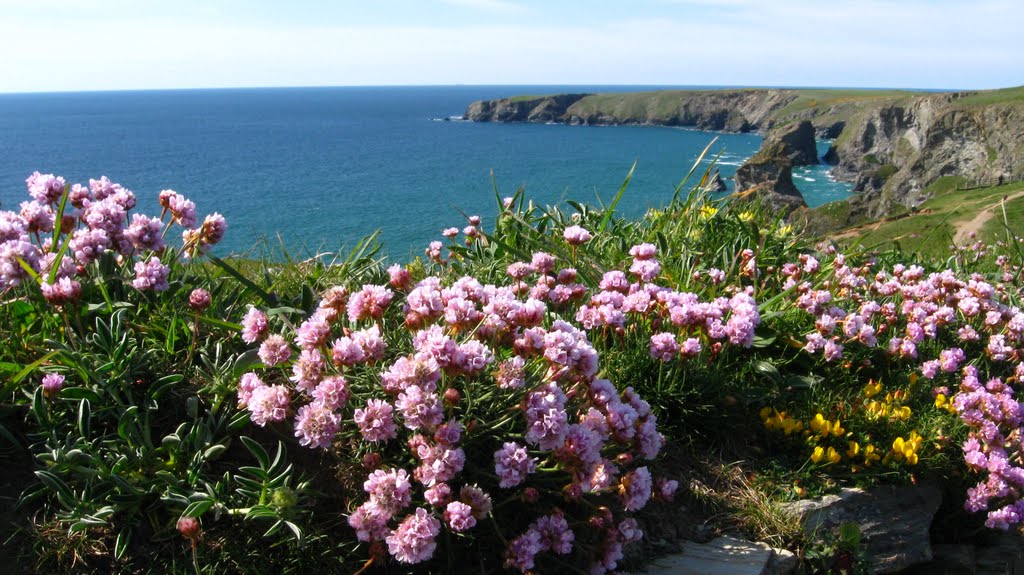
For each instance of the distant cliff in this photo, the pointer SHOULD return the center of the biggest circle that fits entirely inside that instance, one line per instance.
(890, 144)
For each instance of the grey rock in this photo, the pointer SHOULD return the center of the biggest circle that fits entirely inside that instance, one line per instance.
(947, 560)
(798, 143)
(722, 556)
(768, 175)
(1004, 557)
(783, 562)
(894, 521)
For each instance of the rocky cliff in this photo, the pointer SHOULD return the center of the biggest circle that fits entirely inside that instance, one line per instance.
(719, 110)
(893, 153)
(891, 145)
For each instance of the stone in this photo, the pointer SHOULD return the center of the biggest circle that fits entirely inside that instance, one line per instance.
(782, 562)
(894, 521)
(768, 176)
(722, 556)
(1004, 557)
(799, 144)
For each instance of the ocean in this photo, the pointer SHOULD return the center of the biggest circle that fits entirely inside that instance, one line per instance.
(316, 169)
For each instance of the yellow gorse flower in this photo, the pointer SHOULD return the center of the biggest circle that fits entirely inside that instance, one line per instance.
(873, 388)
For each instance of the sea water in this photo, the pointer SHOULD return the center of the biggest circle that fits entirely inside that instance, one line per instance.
(319, 168)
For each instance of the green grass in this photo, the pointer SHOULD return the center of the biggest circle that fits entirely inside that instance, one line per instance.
(987, 97)
(932, 226)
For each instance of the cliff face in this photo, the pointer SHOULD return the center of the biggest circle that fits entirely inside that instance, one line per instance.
(890, 145)
(893, 152)
(719, 110)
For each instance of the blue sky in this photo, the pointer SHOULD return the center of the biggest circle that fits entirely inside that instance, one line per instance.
(58, 45)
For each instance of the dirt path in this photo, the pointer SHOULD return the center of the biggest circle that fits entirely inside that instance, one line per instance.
(975, 224)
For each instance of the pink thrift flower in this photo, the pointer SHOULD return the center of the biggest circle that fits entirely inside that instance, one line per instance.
(369, 303)
(635, 489)
(663, 346)
(52, 384)
(315, 425)
(314, 332)
(65, 291)
(199, 299)
(375, 421)
(555, 535)
(307, 370)
(269, 403)
(420, 409)
(332, 392)
(576, 236)
(145, 233)
(439, 495)
(254, 325)
(512, 463)
(369, 522)
(523, 550)
(151, 275)
(476, 498)
(459, 516)
(389, 490)
(414, 539)
(246, 385)
(274, 350)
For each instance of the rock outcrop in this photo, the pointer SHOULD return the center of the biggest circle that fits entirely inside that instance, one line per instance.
(893, 152)
(768, 176)
(718, 110)
(798, 141)
(894, 521)
(890, 145)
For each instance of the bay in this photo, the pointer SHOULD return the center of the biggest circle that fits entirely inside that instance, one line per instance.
(318, 168)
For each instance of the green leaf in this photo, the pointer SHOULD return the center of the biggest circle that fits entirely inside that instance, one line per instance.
(55, 483)
(220, 323)
(128, 418)
(257, 451)
(80, 393)
(608, 213)
(123, 539)
(262, 293)
(84, 418)
(197, 508)
(768, 370)
(13, 383)
(214, 451)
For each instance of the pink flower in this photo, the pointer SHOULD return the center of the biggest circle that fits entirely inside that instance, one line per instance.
(151, 275)
(313, 332)
(369, 302)
(459, 516)
(45, 188)
(254, 325)
(546, 420)
(307, 370)
(375, 421)
(576, 236)
(145, 233)
(663, 346)
(413, 540)
(369, 522)
(390, 490)
(65, 291)
(555, 534)
(246, 385)
(420, 409)
(199, 299)
(476, 498)
(512, 463)
(52, 384)
(274, 350)
(315, 425)
(332, 392)
(636, 489)
(268, 403)
(439, 495)
(522, 550)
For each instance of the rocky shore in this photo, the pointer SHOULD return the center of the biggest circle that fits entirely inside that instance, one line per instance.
(892, 145)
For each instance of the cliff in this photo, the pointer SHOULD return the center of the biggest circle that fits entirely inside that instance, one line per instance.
(892, 145)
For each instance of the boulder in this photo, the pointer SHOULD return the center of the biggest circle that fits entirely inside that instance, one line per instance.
(798, 143)
(723, 556)
(768, 176)
(894, 521)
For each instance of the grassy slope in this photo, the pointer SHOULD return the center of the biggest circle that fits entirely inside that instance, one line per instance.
(931, 228)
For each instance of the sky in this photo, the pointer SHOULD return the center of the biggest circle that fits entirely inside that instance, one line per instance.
(72, 45)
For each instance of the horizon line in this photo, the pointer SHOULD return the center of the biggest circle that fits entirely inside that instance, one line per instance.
(487, 85)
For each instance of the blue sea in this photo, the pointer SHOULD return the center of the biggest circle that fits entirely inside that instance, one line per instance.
(316, 169)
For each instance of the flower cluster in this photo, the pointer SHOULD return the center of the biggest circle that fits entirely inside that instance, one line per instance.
(430, 375)
(92, 220)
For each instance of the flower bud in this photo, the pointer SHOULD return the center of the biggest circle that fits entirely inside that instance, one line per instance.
(530, 495)
(372, 461)
(52, 383)
(199, 299)
(452, 397)
(189, 528)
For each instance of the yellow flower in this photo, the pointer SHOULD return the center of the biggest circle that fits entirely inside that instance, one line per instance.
(833, 455)
(873, 388)
(785, 231)
(837, 429)
(746, 216)
(940, 401)
(902, 413)
(818, 454)
(853, 450)
(870, 454)
(707, 212)
(820, 425)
